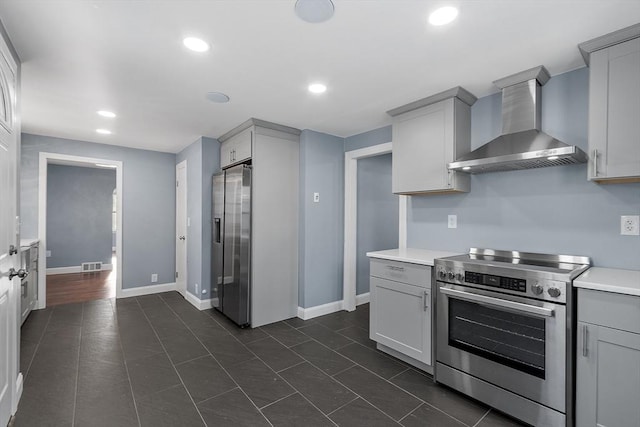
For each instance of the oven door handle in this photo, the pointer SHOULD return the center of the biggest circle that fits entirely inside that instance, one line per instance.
(498, 302)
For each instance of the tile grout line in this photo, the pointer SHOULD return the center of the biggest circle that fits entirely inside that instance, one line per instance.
(280, 400)
(342, 406)
(410, 412)
(292, 366)
(482, 418)
(75, 397)
(35, 351)
(124, 359)
(217, 361)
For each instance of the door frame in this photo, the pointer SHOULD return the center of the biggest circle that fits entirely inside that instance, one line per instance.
(45, 160)
(351, 219)
(181, 290)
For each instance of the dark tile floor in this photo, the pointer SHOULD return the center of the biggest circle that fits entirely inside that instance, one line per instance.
(157, 361)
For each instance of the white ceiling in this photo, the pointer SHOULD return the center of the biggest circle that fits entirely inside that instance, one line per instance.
(80, 56)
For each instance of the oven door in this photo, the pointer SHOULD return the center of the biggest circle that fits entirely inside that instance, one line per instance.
(514, 343)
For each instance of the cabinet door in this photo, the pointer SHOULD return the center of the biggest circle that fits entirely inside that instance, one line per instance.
(236, 149)
(614, 109)
(401, 318)
(607, 377)
(419, 158)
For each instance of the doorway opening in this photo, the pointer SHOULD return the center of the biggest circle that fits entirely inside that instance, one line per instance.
(79, 229)
(349, 301)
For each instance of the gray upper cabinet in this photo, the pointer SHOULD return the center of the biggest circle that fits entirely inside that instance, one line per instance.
(614, 106)
(236, 149)
(608, 360)
(428, 134)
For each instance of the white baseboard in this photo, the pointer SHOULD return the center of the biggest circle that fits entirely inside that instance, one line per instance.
(146, 290)
(74, 269)
(363, 298)
(328, 308)
(200, 304)
(19, 388)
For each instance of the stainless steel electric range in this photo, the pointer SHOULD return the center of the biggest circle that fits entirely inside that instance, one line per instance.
(504, 328)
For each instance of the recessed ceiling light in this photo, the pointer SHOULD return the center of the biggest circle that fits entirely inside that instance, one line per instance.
(195, 44)
(317, 88)
(103, 165)
(103, 131)
(466, 168)
(105, 113)
(443, 16)
(552, 158)
(314, 11)
(217, 97)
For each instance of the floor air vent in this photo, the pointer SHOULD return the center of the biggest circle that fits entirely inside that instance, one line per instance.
(91, 266)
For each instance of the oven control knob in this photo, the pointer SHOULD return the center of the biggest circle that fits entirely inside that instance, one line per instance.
(459, 277)
(442, 274)
(554, 292)
(451, 275)
(537, 289)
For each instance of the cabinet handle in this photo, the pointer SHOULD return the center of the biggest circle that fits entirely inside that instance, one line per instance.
(394, 268)
(449, 172)
(425, 300)
(585, 339)
(595, 162)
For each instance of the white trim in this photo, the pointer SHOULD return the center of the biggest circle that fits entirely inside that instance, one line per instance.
(410, 360)
(74, 269)
(351, 218)
(319, 310)
(330, 307)
(363, 298)
(203, 304)
(44, 160)
(146, 290)
(19, 388)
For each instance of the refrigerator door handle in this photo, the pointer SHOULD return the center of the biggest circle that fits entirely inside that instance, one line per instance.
(216, 222)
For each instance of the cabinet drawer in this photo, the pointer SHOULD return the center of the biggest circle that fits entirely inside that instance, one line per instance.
(413, 274)
(609, 309)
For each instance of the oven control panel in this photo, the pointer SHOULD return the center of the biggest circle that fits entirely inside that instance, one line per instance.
(539, 288)
(511, 283)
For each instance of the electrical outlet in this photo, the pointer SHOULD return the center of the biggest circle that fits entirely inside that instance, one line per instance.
(630, 225)
(154, 278)
(197, 288)
(453, 221)
(316, 197)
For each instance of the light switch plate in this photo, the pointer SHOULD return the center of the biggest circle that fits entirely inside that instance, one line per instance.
(48, 254)
(453, 221)
(154, 278)
(316, 197)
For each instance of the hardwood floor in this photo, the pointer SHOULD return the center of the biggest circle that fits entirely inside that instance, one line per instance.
(80, 287)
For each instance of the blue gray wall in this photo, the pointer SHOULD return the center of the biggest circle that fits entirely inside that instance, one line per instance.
(321, 224)
(203, 159)
(377, 214)
(551, 210)
(148, 211)
(79, 207)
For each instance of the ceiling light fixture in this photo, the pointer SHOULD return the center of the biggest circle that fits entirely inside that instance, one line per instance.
(217, 97)
(195, 44)
(317, 88)
(103, 131)
(314, 11)
(552, 158)
(466, 168)
(104, 165)
(443, 16)
(105, 113)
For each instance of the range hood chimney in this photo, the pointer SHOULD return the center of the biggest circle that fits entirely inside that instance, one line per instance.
(522, 144)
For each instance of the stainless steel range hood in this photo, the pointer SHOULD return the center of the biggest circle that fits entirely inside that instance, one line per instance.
(522, 144)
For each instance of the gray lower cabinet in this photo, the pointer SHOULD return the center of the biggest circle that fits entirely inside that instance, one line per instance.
(400, 308)
(608, 360)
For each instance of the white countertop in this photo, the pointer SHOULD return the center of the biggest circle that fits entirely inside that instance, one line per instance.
(411, 255)
(27, 242)
(610, 280)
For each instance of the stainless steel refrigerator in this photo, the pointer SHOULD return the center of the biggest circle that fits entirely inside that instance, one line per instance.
(231, 252)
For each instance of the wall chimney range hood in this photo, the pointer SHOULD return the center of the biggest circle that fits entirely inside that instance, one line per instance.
(522, 144)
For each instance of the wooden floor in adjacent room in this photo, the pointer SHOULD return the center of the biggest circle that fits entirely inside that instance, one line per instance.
(80, 287)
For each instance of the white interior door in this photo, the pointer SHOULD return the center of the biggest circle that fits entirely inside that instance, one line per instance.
(181, 227)
(8, 233)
